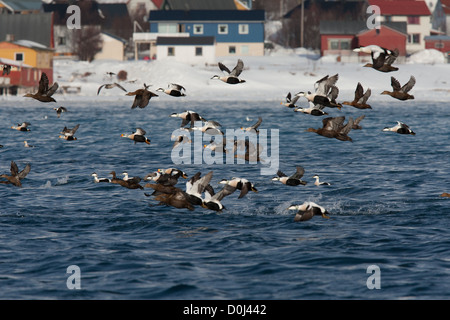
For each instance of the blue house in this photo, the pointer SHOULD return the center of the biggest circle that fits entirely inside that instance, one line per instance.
(236, 32)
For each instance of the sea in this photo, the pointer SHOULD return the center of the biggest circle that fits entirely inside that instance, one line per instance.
(65, 237)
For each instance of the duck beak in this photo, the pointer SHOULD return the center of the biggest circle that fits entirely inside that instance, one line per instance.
(254, 189)
(325, 216)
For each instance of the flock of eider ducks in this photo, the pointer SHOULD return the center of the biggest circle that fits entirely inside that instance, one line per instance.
(198, 190)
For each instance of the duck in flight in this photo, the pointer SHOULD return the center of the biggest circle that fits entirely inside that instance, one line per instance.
(400, 128)
(6, 69)
(290, 102)
(318, 182)
(137, 136)
(361, 97)
(253, 128)
(382, 58)
(326, 92)
(188, 116)
(142, 97)
(22, 126)
(293, 180)
(307, 210)
(174, 90)
(44, 93)
(127, 184)
(401, 92)
(60, 110)
(110, 86)
(240, 184)
(313, 110)
(334, 128)
(233, 75)
(16, 176)
(68, 134)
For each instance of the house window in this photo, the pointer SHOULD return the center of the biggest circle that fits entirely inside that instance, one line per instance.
(167, 27)
(222, 28)
(414, 38)
(244, 49)
(198, 29)
(19, 56)
(62, 41)
(243, 29)
(231, 49)
(438, 45)
(198, 51)
(413, 20)
(339, 44)
(170, 51)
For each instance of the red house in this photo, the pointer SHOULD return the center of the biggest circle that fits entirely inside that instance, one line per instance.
(440, 43)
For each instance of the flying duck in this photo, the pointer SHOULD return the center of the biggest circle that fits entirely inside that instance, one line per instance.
(97, 179)
(44, 93)
(307, 210)
(233, 76)
(293, 180)
(137, 136)
(196, 186)
(166, 179)
(68, 134)
(334, 128)
(382, 58)
(314, 110)
(399, 92)
(26, 145)
(325, 93)
(174, 172)
(213, 200)
(6, 69)
(251, 152)
(127, 184)
(318, 183)
(361, 97)
(188, 117)
(110, 86)
(254, 127)
(174, 90)
(171, 196)
(290, 102)
(241, 184)
(22, 126)
(445, 194)
(356, 125)
(400, 128)
(181, 139)
(210, 127)
(142, 97)
(60, 110)
(16, 176)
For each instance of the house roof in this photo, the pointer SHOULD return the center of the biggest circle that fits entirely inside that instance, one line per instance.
(198, 5)
(402, 7)
(185, 41)
(438, 38)
(35, 27)
(22, 5)
(206, 15)
(349, 27)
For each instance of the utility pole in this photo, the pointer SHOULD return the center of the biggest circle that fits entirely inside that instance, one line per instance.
(302, 24)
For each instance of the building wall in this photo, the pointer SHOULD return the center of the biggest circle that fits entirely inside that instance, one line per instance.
(9, 51)
(435, 44)
(186, 53)
(241, 49)
(386, 38)
(112, 49)
(325, 42)
(423, 29)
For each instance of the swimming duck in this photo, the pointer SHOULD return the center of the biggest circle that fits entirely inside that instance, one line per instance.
(60, 110)
(68, 134)
(196, 186)
(44, 93)
(162, 178)
(97, 179)
(22, 126)
(174, 172)
(314, 110)
(233, 76)
(334, 128)
(356, 125)
(130, 179)
(142, 97)
(293, 180)
(174, 90)
(361, 97)
(240, 184)
(254, 127)
(110, 86)
(127, 184)
(400, 128)
(325, 93)
(16, 176)
(188, 117)
(6, 69)
(399, 92)
(445, 194)
(137, 136)
(307, 210)
(290, 102)
(26, 145)
(318, 183)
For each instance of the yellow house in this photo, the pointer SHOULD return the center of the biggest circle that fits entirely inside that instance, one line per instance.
(27, 52)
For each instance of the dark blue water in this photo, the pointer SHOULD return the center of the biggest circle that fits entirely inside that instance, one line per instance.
(384, 204)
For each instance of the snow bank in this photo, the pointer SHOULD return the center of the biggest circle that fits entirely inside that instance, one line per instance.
(428, 56)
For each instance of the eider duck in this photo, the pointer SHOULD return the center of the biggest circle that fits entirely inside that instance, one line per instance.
(181, 139)
(318, 183)
(290, 102)
(166, 179)
(130, 179)
(16, 176)
(445, 194)
(137, 136)
(356, 125)
(399, 92)
(254, 127)
(60, 110)
(233, 76)
(6, 69)
(251, 152)
(334, 128)
(307, 210)
(142, 97)
(313, 110)
(22, 126)
(97, 179)
(127, 184)
(210, 127)
(68, 134)
(171, 196)
(196, 186)
(174, 90)
(188, 117)
(110, 86)
(44, 93)
(400, 128)
(26, 145)
(174, 172)
(293, 180)
(213, 200)
(361, 97)
(240, 184)
(382, 58)
(325, 93)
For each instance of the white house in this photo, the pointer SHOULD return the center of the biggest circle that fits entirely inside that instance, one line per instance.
(195, 50)
(113, 48)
